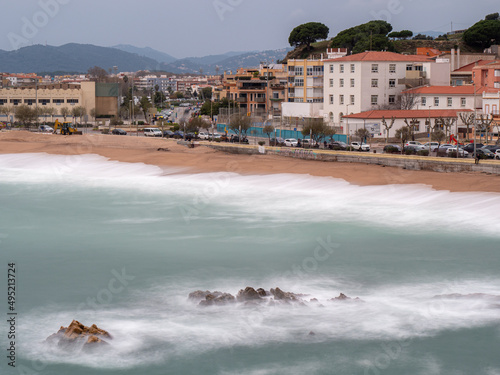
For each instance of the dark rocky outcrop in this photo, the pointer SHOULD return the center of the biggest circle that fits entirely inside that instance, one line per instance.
(77, 335)
(249, 294)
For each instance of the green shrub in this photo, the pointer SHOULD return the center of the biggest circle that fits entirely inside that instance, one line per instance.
(140, 122)
(409, 152)
(423, 153)
(105, 131)
(262, 143)
(392, 150)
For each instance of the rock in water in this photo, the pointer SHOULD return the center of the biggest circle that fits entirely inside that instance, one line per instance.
(249, 294)
(78, 335)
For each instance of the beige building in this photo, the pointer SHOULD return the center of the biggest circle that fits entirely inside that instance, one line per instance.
(101, 96)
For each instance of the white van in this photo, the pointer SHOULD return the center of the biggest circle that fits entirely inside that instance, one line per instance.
(152, 132)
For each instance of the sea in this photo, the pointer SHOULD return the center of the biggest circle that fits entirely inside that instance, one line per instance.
(121, 245)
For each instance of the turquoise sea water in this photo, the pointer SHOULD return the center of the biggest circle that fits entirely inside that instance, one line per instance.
(122, 245)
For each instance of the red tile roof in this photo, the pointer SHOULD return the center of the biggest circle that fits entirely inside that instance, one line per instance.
(413, 113)
(446, 90)
(383, 56)
(468, 68)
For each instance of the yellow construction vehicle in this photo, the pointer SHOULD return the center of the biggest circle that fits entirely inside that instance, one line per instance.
(66, 128)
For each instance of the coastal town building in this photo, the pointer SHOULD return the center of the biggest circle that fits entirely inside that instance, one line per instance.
(446, 97)
(374, 80)
(103, 97)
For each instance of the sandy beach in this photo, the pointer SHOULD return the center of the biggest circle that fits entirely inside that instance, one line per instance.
(203, 159)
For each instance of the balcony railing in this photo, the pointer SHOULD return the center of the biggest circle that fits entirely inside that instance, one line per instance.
(260, 100)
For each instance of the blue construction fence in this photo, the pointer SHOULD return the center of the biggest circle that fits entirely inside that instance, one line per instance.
(256, 131)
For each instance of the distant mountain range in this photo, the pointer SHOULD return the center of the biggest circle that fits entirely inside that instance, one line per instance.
(78, 58)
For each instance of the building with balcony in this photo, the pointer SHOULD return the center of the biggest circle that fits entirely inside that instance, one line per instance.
(305, 81)
(373, 80)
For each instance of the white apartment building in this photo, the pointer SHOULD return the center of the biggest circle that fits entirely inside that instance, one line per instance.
(371, 80)
(446, 97)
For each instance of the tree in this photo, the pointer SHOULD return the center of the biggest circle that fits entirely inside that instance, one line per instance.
(178, 95)
(268, 129)
(25, 115)
(363, 134)
(240, 123)
(79, 112)
(407, 100)
(387, 127)
(195, 124)
(145, 105)
(316, 128)
(98, 74)
(467, 119)
(411, 127)
(308, 33)
(483, 124)
(438, 136)
(93, 113)
(65, 112)
(206, 93)
(422, 37)
(405, 34)
(403, 134)
(368, 36)
(483, 33)
(492, 17)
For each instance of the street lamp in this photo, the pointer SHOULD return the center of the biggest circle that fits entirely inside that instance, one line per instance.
(347, 125)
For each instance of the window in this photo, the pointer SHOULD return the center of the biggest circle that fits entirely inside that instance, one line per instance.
(409, 67)
(392, 83)
(416, 126)
(72, 101)
(341, 82)
(423, 100)
(463, 102)
(299, 71)
(352, 82)
(15, 101)
(450, 102)
(496, 85)
(29, 101)
(374, 68)
(331, 82)
(341, 68)
(331, 99)
(436, 101)
(374, 82)
(392, 99)
(331, 68)
(44, 101)
(299, 82)
(392, 68)
(374, 99)
(309, 70)
(341, 99)
(58, 101)
(3, 101)
(353, 68)
(352, 99)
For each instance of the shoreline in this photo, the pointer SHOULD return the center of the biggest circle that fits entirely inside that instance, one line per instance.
(203, 159)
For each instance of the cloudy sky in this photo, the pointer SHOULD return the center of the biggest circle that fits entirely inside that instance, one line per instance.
(201, 27)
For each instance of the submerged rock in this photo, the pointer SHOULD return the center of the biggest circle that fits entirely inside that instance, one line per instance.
(217, 299)
(77, 335)
(249, 294)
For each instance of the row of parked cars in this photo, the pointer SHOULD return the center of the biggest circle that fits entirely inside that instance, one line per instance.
(415, 147)
(310, 143)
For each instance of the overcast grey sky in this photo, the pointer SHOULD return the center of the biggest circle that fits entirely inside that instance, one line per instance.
(202, 27)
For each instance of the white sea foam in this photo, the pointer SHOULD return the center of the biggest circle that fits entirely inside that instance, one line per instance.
(282, 197)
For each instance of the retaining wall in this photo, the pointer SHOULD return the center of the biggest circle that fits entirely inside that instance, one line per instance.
(409, 162)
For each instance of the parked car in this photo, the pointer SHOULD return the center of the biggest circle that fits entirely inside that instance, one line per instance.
(470, 146)
(203, 135)
(215, 136)
(291, 142)
(461, 151)
(277, 141)
(45, 129)
(337, 145)
(413, 143)
(168, 134)
(236, 139)
(497, 154)
(442, 150)
(190, 136)
(308, 143)
(358, 146)
(432, 146)
(118, 132)
(413, 149)
(152, 132)
(178, 134)
(484, 153)
(493, 148)
(393, 149)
